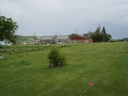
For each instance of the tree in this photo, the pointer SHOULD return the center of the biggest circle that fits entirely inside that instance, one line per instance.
(99, 36)
(7, 29)
(104, 34)
(73, 35)
(108, 37)
(86, 34)
(55, 58)
(98, 29)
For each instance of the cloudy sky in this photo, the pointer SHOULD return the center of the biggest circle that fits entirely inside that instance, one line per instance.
(50, 17)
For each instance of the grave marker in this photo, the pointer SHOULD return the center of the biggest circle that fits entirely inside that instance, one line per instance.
(11, 65)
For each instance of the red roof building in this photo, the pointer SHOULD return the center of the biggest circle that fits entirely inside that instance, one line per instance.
(80, 39)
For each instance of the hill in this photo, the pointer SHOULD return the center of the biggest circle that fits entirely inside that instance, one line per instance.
(28, 39)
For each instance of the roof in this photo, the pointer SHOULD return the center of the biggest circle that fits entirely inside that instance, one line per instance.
(54, 37)
(79, 37)
(62, 37)
(47, 37)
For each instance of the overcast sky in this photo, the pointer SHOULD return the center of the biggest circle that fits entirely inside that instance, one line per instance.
(48, 17)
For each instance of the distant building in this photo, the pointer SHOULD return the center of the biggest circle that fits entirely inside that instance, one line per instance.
(61, 39)
(80, 39)
(24, 42)
(31, 42)
(45, 39)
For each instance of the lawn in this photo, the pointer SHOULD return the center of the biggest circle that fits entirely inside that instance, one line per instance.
(25, 72)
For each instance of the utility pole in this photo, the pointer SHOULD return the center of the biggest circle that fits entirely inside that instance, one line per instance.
(34, 37)
(76, 31)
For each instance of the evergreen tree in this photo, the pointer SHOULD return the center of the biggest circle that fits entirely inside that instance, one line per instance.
(98, 29)
(98, 36)
(104, 34)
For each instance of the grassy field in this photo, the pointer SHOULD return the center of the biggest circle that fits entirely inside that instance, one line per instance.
(25, 72)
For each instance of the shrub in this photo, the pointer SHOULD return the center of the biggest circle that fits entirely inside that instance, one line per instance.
(1, 46)
(55, 58)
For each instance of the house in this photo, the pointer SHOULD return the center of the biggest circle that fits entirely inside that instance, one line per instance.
(24, 42)
(49, 39)
(80, 39)
(31, 42)
(63, 39)
(56, 39)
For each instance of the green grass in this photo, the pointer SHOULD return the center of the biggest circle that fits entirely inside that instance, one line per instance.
(28, 74)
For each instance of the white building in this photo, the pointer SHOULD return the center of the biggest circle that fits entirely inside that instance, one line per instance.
(61, 39)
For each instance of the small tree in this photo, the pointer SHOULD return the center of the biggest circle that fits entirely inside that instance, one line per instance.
(55, 58)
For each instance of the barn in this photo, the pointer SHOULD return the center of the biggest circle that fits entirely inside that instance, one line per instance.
(49, 39)
(61, 39)
(80, 39)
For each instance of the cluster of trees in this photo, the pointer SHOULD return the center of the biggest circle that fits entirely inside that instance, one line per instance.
(73, 35)
(7, 29)
(97, 36)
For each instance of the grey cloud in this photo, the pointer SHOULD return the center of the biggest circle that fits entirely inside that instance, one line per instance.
(47, 17)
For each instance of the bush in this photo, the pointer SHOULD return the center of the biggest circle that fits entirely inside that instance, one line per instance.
(55, 58)
(1, 46)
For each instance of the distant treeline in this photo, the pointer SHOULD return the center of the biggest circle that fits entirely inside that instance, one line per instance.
(28, 39)
(118, 40)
